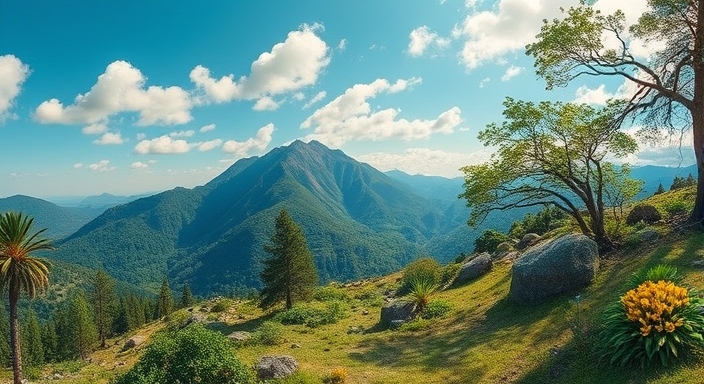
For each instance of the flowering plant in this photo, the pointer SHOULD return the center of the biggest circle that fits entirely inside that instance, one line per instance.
(657, 317)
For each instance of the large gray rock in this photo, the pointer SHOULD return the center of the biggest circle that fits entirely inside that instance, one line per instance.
(565, 264)
(133, 341)
(275, 367)
(397, 310)
(474, 268)
(527, 240)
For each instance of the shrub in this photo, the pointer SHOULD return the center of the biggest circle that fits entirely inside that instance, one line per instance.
(675, 207)
(436, 309)
(425, 268)
(489, 240)
(370, 297)
(422, 289)
(329, 293)
(191, 355)
(313, 317)
(449, 273)
(221, 305)
(338, 375)
(269, 333)
(643, 212)
(658, 317)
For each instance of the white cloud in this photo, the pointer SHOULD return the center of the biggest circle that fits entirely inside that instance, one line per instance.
(95, 129)
(162, 145)
(484, 82)
(180, 134)
(209, 145)
(425, 161)
(319, 96)
(109, 138)
(266, 104)
(511, 72)
(207, 128)
(666, 150)
(141, 136)
(13, 72)
(599, 95)
(139, 165)
(350, 117)
(101, 166)
(77, 166)
(299, 96)
(120, 89)
(254, 144)
(290, 66)
(342, 45)
(422, 38)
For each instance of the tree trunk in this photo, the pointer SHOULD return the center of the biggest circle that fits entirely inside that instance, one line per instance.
(696, 110)
(15, 336)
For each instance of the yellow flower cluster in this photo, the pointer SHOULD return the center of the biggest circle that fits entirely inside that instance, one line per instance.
(654, 306)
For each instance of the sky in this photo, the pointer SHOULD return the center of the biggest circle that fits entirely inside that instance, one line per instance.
(131, 97)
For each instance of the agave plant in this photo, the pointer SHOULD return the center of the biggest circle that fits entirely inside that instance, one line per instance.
(421, 290)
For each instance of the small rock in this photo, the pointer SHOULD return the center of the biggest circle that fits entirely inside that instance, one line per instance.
(365, 312)
(355, 330)
(239, 336)
(133, 342)
(275, 367)
(295, 346)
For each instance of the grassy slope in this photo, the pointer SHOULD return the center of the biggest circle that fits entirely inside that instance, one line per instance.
(486, 338)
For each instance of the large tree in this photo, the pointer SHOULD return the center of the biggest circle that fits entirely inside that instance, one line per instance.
(548, 154)
(104, 302)
(20, 271)
(166, 299)
(290, 272)
(670, 81)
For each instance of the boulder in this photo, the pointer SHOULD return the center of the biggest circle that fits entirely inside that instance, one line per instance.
(562, 265)
(195, 317)
(648, 235)
(239, 336)
(527, 240)
(474, 268)
(506, 246)
(397, 310)
(275, 367)
(132, 342)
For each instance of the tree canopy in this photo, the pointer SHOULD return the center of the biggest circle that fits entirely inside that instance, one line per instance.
(549, 153)
(669, 78)
(290, 272)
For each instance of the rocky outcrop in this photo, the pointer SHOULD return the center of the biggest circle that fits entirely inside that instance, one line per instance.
(562, 265)
(397, 311)
(527, 240)
(474, 268)
(275, 367)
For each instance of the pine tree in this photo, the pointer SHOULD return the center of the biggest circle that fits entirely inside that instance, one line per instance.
(166, 299)
(660, 189)
(691, 181)
(677, 183)
(186, 297)
(103, 299)
(290, 272)
(82, 327)
(50, 341)
(120, 325)
(33, 351)
(135, 312)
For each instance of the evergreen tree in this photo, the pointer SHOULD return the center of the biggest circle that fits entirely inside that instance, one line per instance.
(33, 351)
(103, 299)
(660, 189)
(677, 183)
(166, 299)
(186, 297)
(121, 324)
(135, 312)
(50, 341)
(691, 181)
(82, 327)
(5, 351)
(290, 272)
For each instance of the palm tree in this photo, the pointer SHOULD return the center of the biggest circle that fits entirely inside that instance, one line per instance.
(20, 271)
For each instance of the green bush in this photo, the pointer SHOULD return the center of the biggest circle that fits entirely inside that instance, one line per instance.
(675, 207)
(436, 309)
(654, 321)
(489, 240)
(221, 305)
(370, 297)
(312, 316)
(269, 333)
(191, 355)
(329, 293)
(425, 269)
(643, 212)
(422, 289)
(449, 273)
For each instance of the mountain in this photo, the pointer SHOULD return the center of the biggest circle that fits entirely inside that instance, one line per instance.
(654, 175)
(357, 220)
(106, 200)
(59, 221)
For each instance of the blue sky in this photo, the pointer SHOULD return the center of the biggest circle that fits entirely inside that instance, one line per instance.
(128, 97)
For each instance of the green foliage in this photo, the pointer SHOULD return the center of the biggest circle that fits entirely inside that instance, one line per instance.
(187, 299)
(489, 240)
(33, 351)
(5, 352)
(675, 207)
(314, 316)
(660, 189)
(330, 292)
(269, 333)
(416, 325)
(104, 304)
(436, 309)
(290, 272)
(681, 182)
(189, 356)
(425, 269)
(449, 273)
(548, 218)
(643, 212)
(370, 297)
(221, 305)
(654, 322)
(50, 341)
(421, 290)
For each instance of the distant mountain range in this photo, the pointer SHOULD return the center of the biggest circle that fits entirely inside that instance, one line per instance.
(59, 221)
(358, 221)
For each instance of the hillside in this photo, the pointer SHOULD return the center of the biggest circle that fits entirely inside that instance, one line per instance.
(357, 220)
(59, 221)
